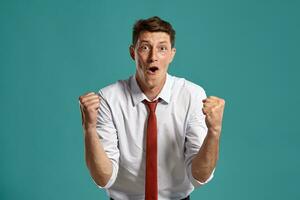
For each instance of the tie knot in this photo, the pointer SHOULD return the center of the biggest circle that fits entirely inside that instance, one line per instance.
(151, 105)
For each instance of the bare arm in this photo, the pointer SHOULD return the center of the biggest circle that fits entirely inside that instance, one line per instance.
(206, 159)
(97, 161)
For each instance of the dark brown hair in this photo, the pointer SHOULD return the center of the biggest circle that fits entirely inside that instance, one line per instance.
(152, 24)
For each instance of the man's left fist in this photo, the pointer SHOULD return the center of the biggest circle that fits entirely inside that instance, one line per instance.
(213, 108)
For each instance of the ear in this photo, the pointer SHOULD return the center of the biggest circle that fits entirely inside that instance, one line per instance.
(173, 52)
(131, 51)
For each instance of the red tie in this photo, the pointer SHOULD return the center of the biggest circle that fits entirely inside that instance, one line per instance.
(151, 188)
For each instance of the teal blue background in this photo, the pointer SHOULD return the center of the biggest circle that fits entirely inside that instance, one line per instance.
(244, 51)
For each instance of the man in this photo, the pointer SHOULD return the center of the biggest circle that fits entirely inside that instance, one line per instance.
(153, 136)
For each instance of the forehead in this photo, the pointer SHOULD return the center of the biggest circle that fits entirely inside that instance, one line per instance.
(154, 37)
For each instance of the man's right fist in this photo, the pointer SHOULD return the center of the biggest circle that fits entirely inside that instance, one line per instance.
(89, 104)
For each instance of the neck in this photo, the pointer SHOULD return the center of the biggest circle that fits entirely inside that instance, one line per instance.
(151, 92)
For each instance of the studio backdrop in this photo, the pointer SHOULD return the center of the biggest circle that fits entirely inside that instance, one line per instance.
(51, 52)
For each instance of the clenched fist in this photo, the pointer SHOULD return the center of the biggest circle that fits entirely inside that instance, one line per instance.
(213, 108)
(89, 104)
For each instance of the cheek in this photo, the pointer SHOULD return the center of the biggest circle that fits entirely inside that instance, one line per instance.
(165, 61)
(162, 56)
(141, 59)
(140, 64)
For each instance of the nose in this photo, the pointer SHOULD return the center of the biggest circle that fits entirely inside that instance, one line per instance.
(152, 56)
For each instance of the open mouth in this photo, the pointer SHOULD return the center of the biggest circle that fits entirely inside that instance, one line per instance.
(153, 69)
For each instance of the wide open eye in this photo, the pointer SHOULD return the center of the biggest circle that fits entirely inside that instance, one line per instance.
(144, 48)
(162, 48)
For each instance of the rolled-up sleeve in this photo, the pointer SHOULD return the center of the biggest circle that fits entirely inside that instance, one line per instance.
(196, 132)
(107, 133)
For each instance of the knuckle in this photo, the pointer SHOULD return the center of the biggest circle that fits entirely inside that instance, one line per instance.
(222, 102)
(82, 99)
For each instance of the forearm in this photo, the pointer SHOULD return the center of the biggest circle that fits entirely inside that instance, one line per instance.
(98, 163)
(206, 159)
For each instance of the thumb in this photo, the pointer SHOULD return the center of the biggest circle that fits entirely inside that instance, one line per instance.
(82, 115)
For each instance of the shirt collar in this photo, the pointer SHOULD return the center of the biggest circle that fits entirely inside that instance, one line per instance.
(138, 96)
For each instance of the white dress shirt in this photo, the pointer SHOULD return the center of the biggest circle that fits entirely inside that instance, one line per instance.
(181, 129)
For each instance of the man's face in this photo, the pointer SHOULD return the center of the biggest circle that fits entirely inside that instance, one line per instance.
(152, 54)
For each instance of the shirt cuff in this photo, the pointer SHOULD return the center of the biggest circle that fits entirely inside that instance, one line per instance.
(112, 178)
(197, 183)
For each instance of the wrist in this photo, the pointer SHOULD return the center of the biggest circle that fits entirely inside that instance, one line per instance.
(89, 128)
(214, 133)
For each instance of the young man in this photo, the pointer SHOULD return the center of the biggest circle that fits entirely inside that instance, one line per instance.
(153, 136)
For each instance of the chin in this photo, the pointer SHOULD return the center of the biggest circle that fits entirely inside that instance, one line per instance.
(151, 84)
(153, 81)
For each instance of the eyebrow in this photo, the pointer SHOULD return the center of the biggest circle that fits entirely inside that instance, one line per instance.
(149, 41)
